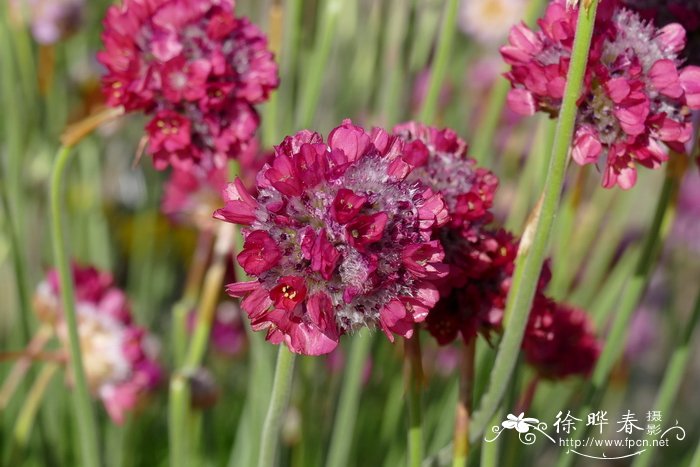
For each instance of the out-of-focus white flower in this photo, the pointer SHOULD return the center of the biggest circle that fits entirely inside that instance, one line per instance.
(489, 21)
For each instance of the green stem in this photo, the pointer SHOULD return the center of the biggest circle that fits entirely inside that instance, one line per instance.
(344, 424)
(81, 394)
(26, 417)
(632, 294)
(414, 382)
(673, 377)
(533, 246)
(311, 90)
(442, 57)
(206, 309)
(179, 442)
(464, 405)
(281, 387)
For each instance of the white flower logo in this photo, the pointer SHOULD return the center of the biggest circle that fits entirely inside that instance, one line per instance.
(520, 423)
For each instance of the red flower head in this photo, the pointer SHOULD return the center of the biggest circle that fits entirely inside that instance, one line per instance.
(636, 94)
(559, 341)
(193, 65)
(338, 238)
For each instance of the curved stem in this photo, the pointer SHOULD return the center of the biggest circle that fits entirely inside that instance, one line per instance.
(281, 387)
(533, 246)
(413, 373)
(344, 424)
(81, 394)
(442, 57)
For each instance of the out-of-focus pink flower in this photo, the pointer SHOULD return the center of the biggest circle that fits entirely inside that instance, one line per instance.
(227, 333)
(50, 20)
(559, 340)
(341, 267)
(488, 21)
(193, 66)
(686, 228)
(119, 357)
(635, 96)
(192, 195)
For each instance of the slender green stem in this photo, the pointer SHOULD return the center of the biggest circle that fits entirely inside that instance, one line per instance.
(281, 387)
(414, 382)
(311, 90)
(81, 395)
(490, 451)
(533, 246)
(206, 309)
(179, 442)
(442, 57)
(393, 74)
(615, 340)
(464, 405)
(673, 377)
(344, 424)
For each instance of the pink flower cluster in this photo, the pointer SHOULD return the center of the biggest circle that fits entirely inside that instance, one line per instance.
(118, 356)
(636, 94)
(339, 237)
(377, 229)
(191, 195)
(481, 262)
(195, 68)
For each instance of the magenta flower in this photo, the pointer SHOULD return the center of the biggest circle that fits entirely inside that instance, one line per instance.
(636, 94)
(118, 356)
(559, 340)
(338, 238)
(196, 69)
(191, 195)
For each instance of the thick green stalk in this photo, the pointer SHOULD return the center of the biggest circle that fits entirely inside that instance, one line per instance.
(311, 89)
(281, 387)
(533, 246)
(414, 382)
(616, 338)
(344, 424)
(673, 377)
(178, 409)
(442, 57)
(82, 404)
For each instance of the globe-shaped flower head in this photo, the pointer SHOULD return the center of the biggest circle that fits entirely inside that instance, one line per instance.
(338, 239)
(195, 68)
(636, 93)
